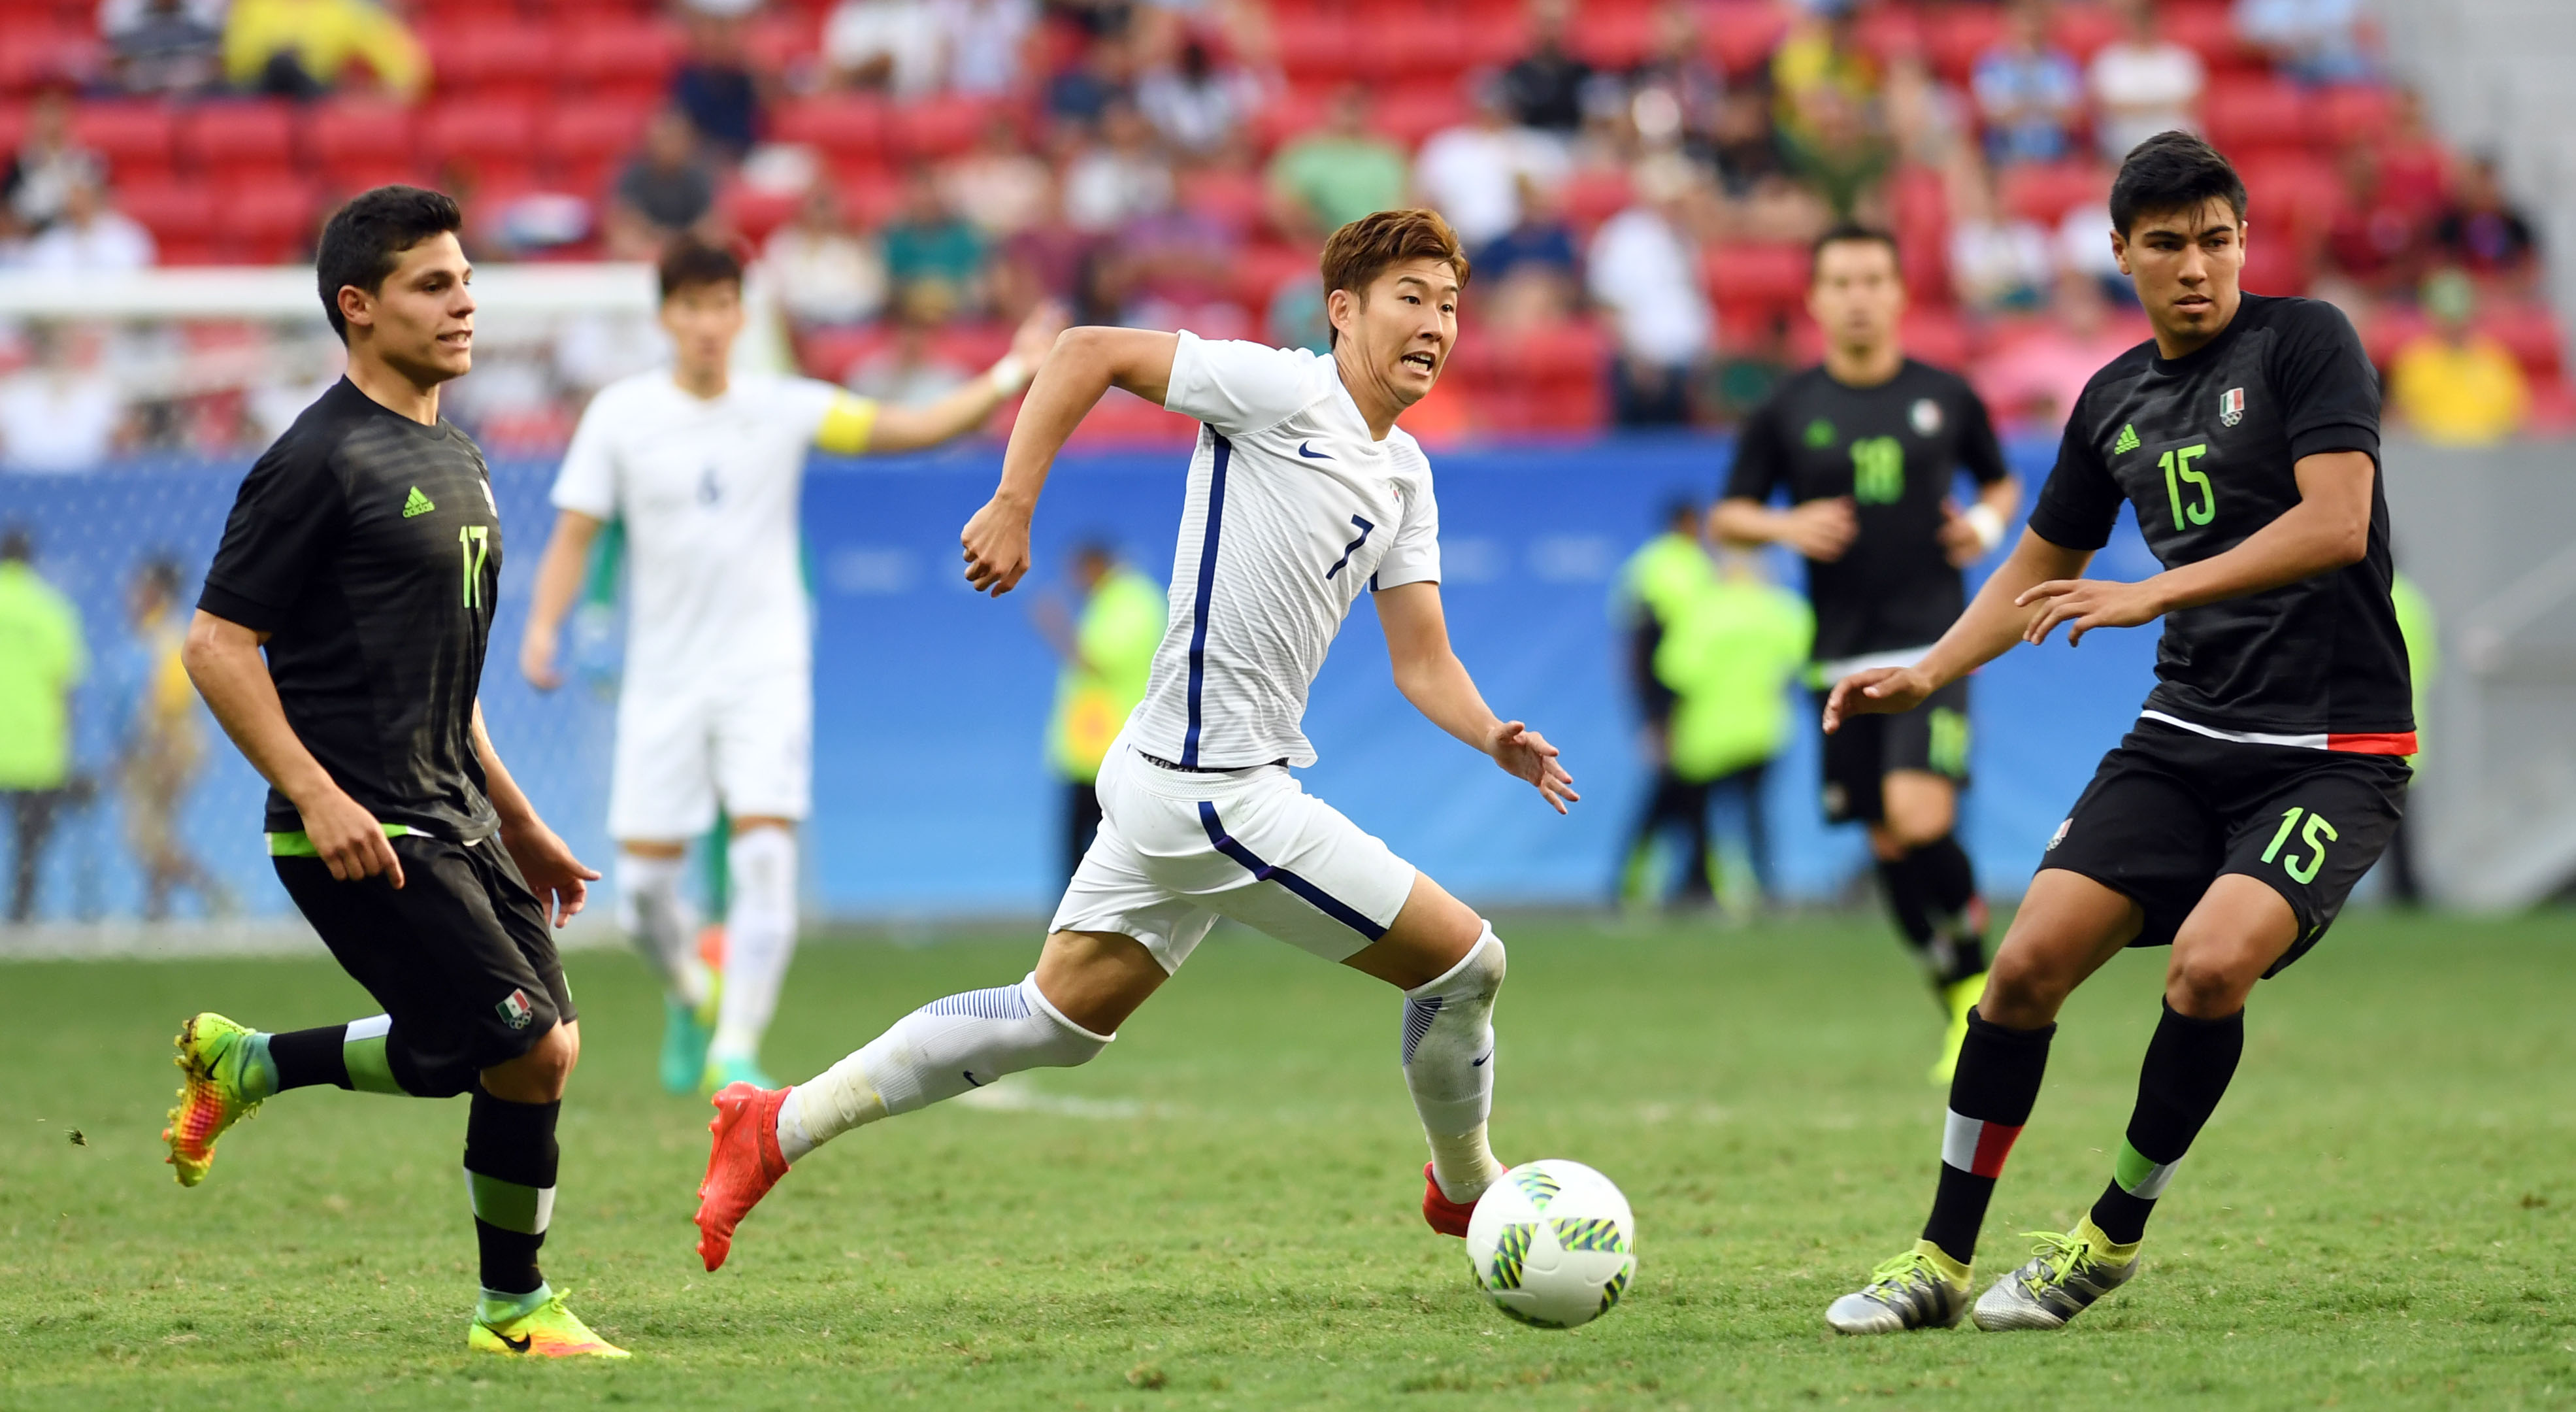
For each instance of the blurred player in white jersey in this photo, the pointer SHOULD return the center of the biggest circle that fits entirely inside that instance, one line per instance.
(1301, 493)
(704, 467)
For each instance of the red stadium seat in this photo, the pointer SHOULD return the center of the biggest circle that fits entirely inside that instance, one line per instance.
(493, 142)
(933, 128)
(2245, 114)
(2349, 113)
(1321, 45)
(2276, 267)
(841, 125)
(1236, 200)
(173, 210)
(1741, 34)
(1751, 276)
(587, 139)
(1955, 37)
(1936, 336)
(2045, 192)
(2531, 331)
(755, 212)
(1260, 270)
(270, 218)
(1423, 43)
(356, 142)
(221, 139)
(1886, 31)
(38, 51)
(509, 59)
(2293, 194)
(1409, 114)
(2208, 30)
(1614, 39)
(134, 137)
(831, 353)
(1295, 111)
(1594, 194)
(871, 193)
(627, 59)
(1919, 205)
(2082, 30)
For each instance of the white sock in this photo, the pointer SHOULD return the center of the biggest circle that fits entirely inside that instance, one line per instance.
(938, 1051)
(662, 924)
(760, 937)
(1449, 1066)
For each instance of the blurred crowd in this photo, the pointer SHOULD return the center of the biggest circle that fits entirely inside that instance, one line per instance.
(1636, 179)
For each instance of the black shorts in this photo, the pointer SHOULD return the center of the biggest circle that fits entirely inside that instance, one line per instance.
(1932, 737)
(460, 956)
(2169, 812)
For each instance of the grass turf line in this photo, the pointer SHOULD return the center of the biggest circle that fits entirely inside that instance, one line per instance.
(1226, 1217)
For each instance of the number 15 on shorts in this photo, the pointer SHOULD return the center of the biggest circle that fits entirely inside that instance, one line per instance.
(2315, 836)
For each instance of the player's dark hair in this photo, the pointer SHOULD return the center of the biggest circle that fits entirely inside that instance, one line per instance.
(365, 240)
(2172, 171)
(1364, 249)
(17, 546)
(160, 573)
(688, 262)
(1846, 233)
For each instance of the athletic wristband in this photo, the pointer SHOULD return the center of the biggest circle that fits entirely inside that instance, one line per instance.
(1010, 375)
(1988, 522)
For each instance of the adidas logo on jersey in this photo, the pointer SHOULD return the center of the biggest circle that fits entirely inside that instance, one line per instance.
(416, 504)
(2128, 440)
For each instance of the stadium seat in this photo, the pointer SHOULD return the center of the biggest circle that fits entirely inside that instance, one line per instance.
(840, 125)
(830, 353)
(2292, 193)
(1954, 37)
(1260, 271)
(1936, 336)
(782, 40)
(360, 143)
(871, 192)
(586, 139)
(226, 139)
(1233, 199)
(134, 137)
(505, 60)
(491, 141)
(1756, 276)
(1594, 194)
(1291, 112)
(621, 60)
(933, 128)
(39, 50)
(269, 217)
(2349, 113)
(2531, 331)
(1424, 44)
(756, 211)
(1319, 45)
(1409, 114)
(1740, 34)
(172, 209)
(2044, 192)
(2245, 114)
(1614, 38)
(2209, 31)
(1919, 207)
(2082, 30)
(2276, 267)
(1886, 31)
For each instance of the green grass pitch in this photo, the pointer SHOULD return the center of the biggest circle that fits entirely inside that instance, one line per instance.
(1220, 1212)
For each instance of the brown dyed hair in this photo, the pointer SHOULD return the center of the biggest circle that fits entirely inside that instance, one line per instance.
(1361, 251)
(689, 261)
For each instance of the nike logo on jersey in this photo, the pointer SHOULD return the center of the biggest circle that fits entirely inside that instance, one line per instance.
(1479, 1061)
(970, 1078)
(1307, 450)
(515, 1345)
(416, 504)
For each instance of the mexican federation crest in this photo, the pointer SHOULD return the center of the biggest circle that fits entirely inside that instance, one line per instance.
(2231, 406)
(1926, 416)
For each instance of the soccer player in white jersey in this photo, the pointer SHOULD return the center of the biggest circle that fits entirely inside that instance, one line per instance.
(1301, 492)
(703, 466)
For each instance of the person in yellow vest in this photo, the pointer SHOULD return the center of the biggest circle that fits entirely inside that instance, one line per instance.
(2456, 385)
(1729, 657)
(1665, 575)
(1108, 652)
(162, 749)
(42, 657)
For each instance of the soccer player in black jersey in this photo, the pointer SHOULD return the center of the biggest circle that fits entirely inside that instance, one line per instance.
(1866, 447)
(2267, 769)
(362, 553)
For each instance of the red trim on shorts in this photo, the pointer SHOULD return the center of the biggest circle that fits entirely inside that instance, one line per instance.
(2381, 743)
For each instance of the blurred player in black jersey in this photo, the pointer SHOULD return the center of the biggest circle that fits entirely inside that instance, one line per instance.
(2267, 769)
(363, 553)
(1866, 448)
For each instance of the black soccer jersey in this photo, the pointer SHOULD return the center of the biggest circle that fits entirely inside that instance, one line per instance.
(1894, 450)
(367, 546)
(2203, 447)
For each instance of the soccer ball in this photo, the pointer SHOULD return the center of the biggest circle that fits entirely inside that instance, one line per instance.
(1552, 1244)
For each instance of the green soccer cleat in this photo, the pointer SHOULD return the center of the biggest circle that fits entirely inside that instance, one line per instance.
(726, 1069)
(213, 1097)
(1920, 1289)
(548, 1331)
(2060, 1281)
(1958, 997)
(686, 1029)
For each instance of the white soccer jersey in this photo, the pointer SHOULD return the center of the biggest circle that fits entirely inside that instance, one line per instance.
(1291, 510)
(709, 492)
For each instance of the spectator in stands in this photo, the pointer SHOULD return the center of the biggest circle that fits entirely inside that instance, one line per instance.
(889, 46)
(2414, 162)
(665, 192)
(2142, 84)
(1544, 88)
(910, 371)
(1337, 173)
(1473, 173)
(304, 48)
(1744, 148)
(2453, 384)
(63, 412)
(2376, 240)
(168, 47)
(1645, 270)
(2480, 231)
(1998, 261)
(44, 659)
(715, 86)
(89, 237)
(2032, 382)
(1000, 186)
(2028, 91)
(1199, 108)
(825, 273)
(1834, 151)
(1077, 95)
(934, 259)
(1525, 277)
(1821, 55)
(161, 745)
(1927, 120)
(985, 40)
(1674, 81)
(49, 162)
(2318, 41)
(1119, 177)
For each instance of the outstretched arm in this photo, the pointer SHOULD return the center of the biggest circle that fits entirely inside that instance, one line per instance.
(559, 576)
(559, 879)
(1993, 623)
(961, 411)
(1436, 682)
(1084, 364)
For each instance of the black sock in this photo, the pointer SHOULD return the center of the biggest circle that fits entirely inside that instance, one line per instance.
(2187, 1069)
(1947, 883)
(1904, 894)
(1990, 1099)
(306, 1058)
(510, 1160)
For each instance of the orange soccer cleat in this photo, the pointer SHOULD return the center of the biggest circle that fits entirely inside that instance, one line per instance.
(742, 1166)
(1447, 1217)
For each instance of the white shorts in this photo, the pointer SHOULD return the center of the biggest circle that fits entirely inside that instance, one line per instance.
(1177, 850)
(747, 743)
